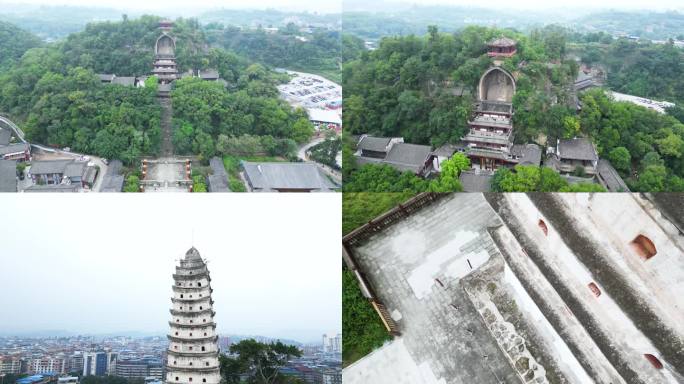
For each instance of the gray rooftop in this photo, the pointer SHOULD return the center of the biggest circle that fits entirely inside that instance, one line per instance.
(49, 166)
(5, 135)
(610, 177)
(105, 77)
(13, 148)
(530, 154)
(124, 80)
(275, 176)
(447, 150)
(113, 181)
(65, 188)
(408, 156)
(376, 144)
(579, 148)
(75, 169)
(209, 74)
(502, 42)
(218, 181)
(8, 176)
(476, 182)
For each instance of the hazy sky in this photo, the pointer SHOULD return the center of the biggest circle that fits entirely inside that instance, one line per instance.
(545, 4)
(319, 6)
(102, 263)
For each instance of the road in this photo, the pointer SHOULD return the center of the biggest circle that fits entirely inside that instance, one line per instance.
(332, 173)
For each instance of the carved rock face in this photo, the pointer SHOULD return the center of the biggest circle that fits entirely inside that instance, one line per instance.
(165, 46)
(497, 85)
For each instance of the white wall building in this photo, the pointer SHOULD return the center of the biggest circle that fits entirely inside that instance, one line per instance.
(332, 344)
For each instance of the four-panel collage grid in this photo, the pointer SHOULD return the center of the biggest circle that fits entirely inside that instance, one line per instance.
(328, 192)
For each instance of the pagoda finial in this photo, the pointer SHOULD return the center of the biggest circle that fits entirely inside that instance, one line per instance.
(192, 253)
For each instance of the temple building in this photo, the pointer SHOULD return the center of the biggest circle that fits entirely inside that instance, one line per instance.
(490, 137)
(193, 343)
(165, 55)
(489, 141)
(501, 47)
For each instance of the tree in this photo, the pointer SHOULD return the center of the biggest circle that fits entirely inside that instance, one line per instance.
(262, 361)
(132, 184)
(302, 130)
(621, 159)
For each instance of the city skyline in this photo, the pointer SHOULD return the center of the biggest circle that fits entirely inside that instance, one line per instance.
(73, 291)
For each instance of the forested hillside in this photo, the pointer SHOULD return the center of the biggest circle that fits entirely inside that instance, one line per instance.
(14, 42)
(320, 52)
(422, 88)
(54, 93)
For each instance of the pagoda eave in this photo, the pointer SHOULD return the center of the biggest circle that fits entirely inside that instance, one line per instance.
(192, 340)
(193, 326)
(192, 354)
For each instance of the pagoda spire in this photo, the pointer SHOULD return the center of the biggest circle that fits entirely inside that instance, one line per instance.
(193, 342)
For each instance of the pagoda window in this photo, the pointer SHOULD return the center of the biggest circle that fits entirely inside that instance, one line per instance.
(191, 272)
(204, 320)
(176, 378)
(181, 308)
(191, 363)
(177, 320)
(191, 321)
(200, 295)
(190, 333)
(207, 363)
(181, 295)
(199, 284)
(191, 296)
(175, 347)
(644, 247)
(191, 348)
(203, 348)
(191, 308)
(174, 362)
(176, 333)
(205, 333)
(200, 307)
(178, 284)
(204, 380)
(190, 379)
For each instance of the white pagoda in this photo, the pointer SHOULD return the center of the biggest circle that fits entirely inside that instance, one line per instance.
(193, 348)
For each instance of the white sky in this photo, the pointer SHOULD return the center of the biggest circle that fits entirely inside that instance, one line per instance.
(319, 6)
(545, 4)
(102, 263)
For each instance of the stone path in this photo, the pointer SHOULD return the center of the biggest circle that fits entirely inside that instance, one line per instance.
(166, 127)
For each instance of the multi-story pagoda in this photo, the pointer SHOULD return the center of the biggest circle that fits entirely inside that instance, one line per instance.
(165, 55)
(490, 138)
(192, 357)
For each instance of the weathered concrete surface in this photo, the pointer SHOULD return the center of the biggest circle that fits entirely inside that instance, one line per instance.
(390, 364)
(167, 171)
(557, 314)
(615, 267)
(440, 327)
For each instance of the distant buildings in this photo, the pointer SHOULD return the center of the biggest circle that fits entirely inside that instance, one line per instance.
(332, 344)
(10, 365)
(139, 369)
(45, 365)
(99, 363)
(658, 106)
